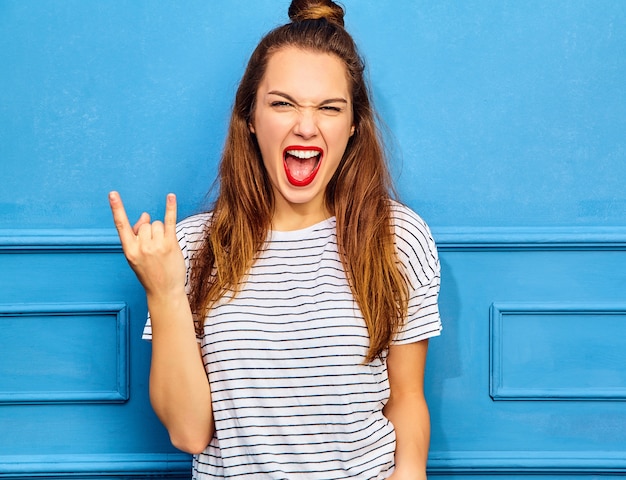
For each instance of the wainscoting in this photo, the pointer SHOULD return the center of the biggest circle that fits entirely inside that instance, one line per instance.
(74, 371)
(527, 378)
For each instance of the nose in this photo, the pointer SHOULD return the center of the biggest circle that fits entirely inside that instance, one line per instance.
(306, 124)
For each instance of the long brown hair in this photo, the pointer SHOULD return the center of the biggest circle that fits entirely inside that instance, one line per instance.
(358, 194)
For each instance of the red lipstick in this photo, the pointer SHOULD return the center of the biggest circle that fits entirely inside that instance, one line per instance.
(301, 164)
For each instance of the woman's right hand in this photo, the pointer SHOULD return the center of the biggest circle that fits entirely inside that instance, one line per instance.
(152, 249)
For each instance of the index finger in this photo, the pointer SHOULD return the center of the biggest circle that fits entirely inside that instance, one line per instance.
(170, 213)
(124, 230)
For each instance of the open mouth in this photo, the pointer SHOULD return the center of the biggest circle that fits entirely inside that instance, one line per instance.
(301, 164)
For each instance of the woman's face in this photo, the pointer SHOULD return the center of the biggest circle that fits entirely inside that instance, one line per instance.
(302, 122)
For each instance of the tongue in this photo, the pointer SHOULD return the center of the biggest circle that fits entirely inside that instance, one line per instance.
(300, 168)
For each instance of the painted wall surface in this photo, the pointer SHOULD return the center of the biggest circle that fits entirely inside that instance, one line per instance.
(507, 130)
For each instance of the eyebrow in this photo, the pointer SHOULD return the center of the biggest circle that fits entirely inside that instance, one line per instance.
(293, 100)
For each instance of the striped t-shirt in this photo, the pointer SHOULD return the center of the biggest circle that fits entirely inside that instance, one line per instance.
(292, 397)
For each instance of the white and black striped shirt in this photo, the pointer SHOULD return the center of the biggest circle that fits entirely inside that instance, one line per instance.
(292, 397)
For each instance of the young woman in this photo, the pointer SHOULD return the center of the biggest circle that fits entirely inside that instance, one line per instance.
(290, 324)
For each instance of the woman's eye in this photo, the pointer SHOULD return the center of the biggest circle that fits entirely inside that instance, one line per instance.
(280, 104)
(331, 109)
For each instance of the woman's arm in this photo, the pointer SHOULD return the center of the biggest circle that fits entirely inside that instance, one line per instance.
(407, 409)
(179, 388)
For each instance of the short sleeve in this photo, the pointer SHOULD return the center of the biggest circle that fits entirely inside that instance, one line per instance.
(418, 254)
(189, 233)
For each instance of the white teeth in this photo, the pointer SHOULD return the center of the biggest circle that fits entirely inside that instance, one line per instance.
(303, 154)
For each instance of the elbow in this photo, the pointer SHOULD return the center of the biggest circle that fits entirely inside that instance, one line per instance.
(193, 444)
(192, 440)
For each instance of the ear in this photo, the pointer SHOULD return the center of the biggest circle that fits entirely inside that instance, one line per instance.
(251, 128)
(352, 129)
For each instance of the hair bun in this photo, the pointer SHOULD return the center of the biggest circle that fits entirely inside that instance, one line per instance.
(300, 10)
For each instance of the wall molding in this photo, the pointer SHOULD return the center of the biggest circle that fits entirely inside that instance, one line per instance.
(178, 465)
(118, 394)
(498, 388)
(447, 238)
(174, 465)
(529, 238)
(527, 463)
(79, 240)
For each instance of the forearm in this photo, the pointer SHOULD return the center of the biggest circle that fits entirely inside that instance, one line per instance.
(179, 388)
(409, 414)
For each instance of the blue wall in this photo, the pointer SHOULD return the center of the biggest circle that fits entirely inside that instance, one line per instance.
(507, 126)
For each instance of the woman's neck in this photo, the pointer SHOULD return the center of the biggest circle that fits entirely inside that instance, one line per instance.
(296, 217)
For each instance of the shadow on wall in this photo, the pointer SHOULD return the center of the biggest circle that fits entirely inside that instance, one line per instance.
(444, 358)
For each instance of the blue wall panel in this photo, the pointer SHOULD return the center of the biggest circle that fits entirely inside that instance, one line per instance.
(74, 374)
(502, 112)
(527, 378)
(554, 351)
(61, 362)
(506, 127)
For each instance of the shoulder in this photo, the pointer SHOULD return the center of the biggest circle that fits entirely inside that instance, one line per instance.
(191, 229)
(414, 243)
(406, 220)
(409, 227)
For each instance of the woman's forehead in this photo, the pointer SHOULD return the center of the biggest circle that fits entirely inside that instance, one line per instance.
(306, 73)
